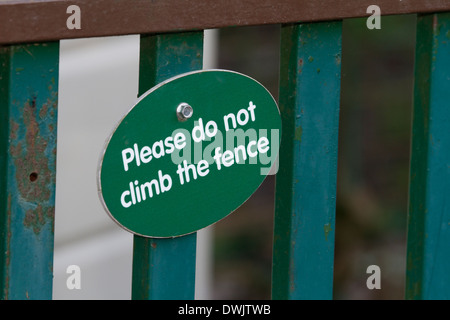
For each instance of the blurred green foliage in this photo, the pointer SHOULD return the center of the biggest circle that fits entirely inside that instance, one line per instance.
(374, 147)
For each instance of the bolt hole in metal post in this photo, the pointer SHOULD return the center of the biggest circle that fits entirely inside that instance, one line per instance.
(33, 176)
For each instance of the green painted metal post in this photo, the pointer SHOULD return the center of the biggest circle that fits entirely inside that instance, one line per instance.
(165, 268)
(306, 180)
(428, 255)
(28, 123)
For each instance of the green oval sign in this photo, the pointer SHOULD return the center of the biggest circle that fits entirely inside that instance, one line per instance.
(191, 151)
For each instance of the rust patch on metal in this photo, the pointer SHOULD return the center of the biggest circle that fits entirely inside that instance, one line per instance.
(33, 176)
(14, 128)
(36, 218)
(435, 24)
(43, 111)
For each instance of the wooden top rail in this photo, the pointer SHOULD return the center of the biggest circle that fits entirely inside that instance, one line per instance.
(45, 20)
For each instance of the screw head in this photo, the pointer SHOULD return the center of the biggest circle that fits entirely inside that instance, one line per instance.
(184, 111)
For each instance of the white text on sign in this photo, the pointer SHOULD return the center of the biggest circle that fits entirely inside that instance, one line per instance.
(202, 131)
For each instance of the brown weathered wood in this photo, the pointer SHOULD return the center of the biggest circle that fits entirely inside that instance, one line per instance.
(44, 20)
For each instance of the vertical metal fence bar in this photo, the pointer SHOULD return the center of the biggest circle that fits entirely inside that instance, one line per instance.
(306, 180)
(165, 268)
(428, 256)
(28, 123)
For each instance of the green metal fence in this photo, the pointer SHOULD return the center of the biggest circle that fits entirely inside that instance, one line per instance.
(172, 43)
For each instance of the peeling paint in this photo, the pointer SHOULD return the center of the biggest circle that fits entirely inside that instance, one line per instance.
(337, 59)
(36, 218)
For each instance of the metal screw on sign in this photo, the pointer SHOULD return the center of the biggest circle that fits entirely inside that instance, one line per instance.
(184, 111)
